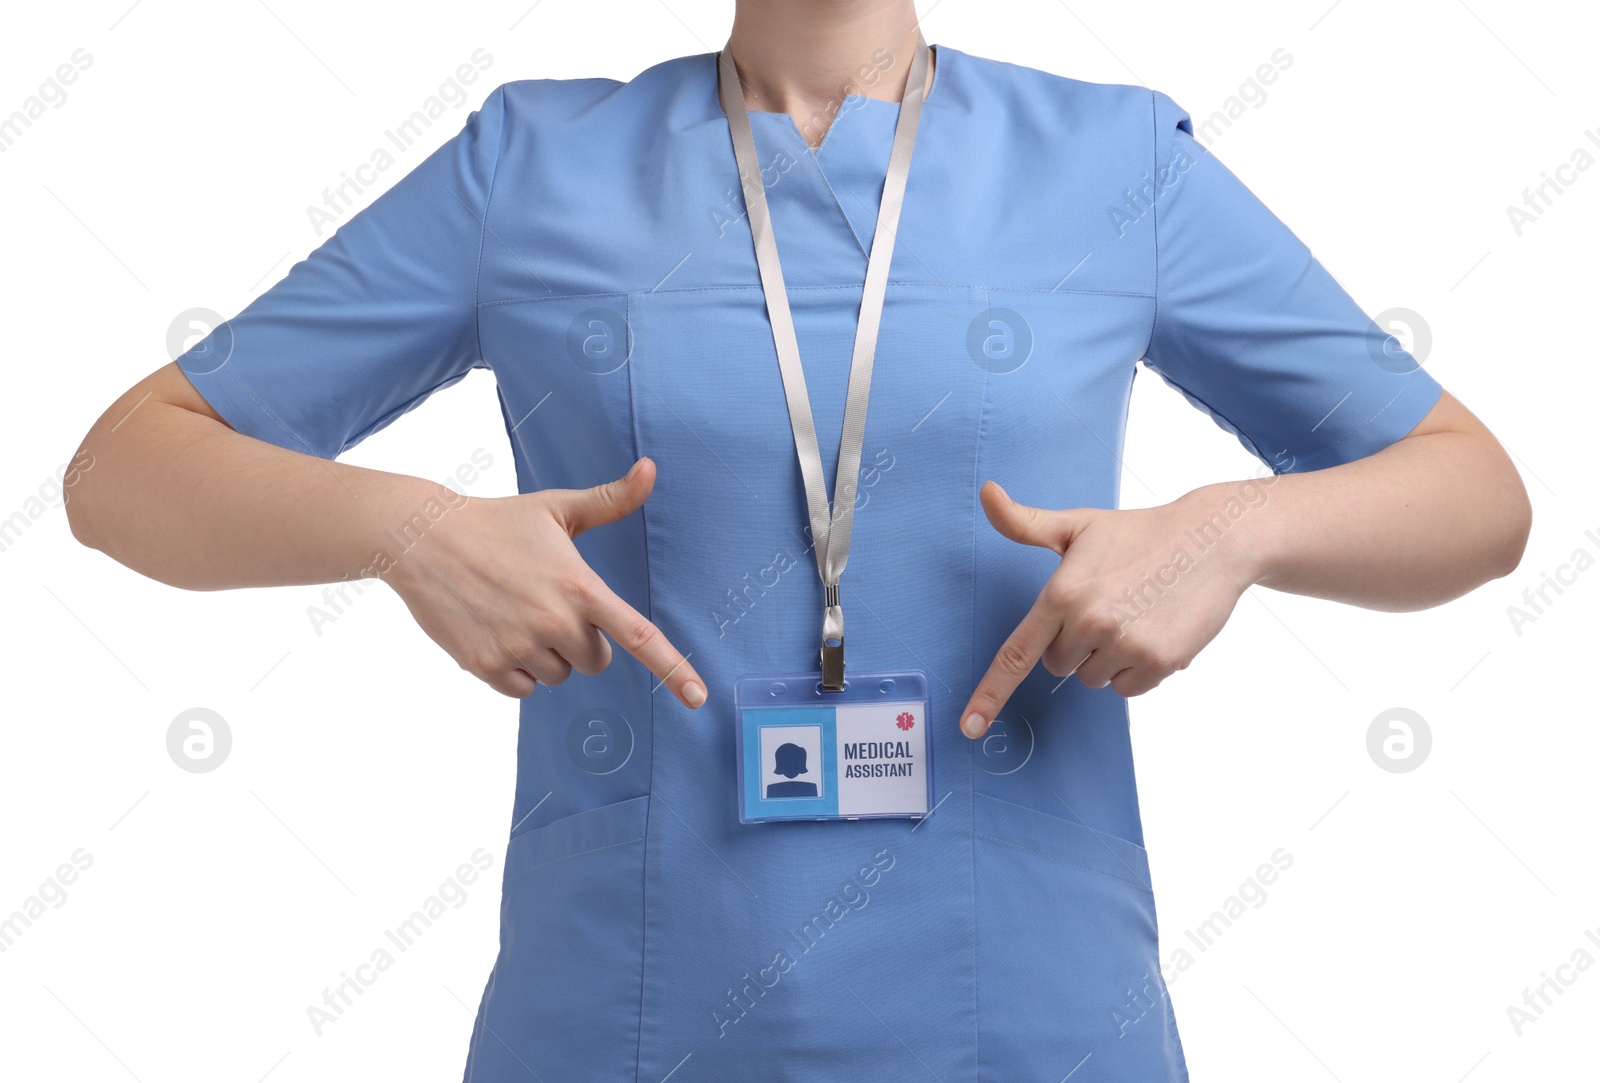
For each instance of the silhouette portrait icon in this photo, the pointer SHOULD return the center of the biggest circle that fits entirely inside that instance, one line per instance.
(789, 760)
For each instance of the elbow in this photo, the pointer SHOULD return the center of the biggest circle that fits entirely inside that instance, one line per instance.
(1516, 518)
(77, 523)
(80, 519)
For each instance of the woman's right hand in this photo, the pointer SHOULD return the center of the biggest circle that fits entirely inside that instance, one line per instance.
(498, 583)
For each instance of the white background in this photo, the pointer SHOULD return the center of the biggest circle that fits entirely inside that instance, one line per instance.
(366, 767)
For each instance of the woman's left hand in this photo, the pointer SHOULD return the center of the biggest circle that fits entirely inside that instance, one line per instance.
(1135, 598)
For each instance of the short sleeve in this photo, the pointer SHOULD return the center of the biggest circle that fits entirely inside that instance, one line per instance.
(378, 317)
(1251, 328)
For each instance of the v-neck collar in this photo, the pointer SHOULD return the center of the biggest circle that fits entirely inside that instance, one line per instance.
(879, 110)
(849, 104)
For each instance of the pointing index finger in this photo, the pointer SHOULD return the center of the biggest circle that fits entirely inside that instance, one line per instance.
(642, 639)
(1014, 661)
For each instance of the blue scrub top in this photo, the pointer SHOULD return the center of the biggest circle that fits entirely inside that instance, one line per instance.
(584, 240)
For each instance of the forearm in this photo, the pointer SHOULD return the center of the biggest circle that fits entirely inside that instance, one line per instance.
(1423, 521)
(184, 499)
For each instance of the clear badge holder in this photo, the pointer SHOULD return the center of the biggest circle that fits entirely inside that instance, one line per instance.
(856, 754)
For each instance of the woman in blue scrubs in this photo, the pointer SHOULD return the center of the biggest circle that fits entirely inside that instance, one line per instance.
(588, 241)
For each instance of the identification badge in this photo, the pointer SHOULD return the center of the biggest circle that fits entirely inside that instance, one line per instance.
(807, 754)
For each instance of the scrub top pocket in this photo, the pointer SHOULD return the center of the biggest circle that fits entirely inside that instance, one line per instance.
(1081, 900)
(566, 984)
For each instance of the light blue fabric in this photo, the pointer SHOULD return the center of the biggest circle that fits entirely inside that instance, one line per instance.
(584, 240)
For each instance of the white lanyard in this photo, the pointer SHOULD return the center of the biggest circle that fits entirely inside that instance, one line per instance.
(830, 532)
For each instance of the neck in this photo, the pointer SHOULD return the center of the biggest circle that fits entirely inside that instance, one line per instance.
(802, 57)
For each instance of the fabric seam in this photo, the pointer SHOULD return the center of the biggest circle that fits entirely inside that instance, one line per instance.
(856, 286)
(1361, 429)
(481, 1024)
(272, 414)
(483, 222)
(972, 640)
(1063, 819)
(650, 786)
(823, 177)
(1060, 860)
(575, 853)
(1155, 225)
(1172, 1025)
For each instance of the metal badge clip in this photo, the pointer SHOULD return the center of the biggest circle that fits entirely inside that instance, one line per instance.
(833, 666)
(832, 639)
